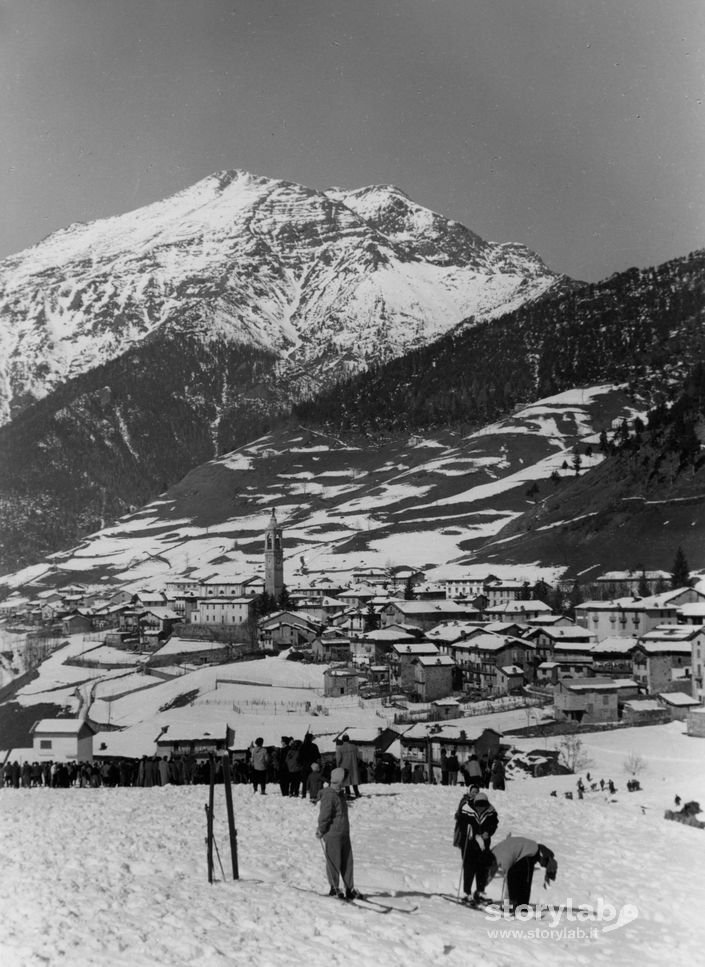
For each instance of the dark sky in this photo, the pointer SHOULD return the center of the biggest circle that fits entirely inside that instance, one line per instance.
(574, 126)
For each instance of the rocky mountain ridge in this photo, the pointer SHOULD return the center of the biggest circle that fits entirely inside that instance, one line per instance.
(325, 281)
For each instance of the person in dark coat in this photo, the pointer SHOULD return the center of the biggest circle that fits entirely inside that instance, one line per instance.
(498, 774)
(334, 831)
(293, 765)
(308, 754)
(476, 823)
(515, 858)
(282, 771)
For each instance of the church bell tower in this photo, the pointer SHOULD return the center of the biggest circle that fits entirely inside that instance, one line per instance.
(273, 559)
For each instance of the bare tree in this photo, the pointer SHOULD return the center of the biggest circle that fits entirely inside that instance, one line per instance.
(634, 764)
(572, 753)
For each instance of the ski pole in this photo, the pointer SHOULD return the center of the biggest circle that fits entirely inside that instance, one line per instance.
(217, 853)
(462, 862)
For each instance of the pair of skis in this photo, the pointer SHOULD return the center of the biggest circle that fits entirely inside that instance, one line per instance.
(364, 902)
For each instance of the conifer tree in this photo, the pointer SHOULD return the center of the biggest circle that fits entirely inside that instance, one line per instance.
(680, 573)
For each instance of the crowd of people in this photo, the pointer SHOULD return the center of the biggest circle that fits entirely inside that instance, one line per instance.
(288, 766)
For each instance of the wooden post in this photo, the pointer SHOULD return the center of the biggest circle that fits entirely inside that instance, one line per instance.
(231, 815)
(209, 821)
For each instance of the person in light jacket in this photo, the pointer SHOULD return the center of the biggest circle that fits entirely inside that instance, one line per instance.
(347, 758)
(516, 857)
(259, 760)
(334, 831)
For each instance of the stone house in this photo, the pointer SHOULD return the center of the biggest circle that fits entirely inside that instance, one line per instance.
(433, 677)
(586, 700)
(678, 704)
(420, 614)
(403, 655)
(331, 648)
(662, 659)
(286, 629)
(340, 681)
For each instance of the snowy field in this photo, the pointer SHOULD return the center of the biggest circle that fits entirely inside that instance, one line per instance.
(114, 877)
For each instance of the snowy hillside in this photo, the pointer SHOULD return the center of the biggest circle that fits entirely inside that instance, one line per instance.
(117, 877)
(423, 501)
(329, 281)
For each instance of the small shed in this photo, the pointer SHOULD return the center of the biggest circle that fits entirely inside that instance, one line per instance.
(696, 722)
(62, 740)
(678, 704)
(340, 681)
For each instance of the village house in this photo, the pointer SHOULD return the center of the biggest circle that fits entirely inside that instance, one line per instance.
(76, 623)
(155, 625)
(62, 740)
(322, 610)
(616, 584)
(488, 652)
(358, 596)
(286, 629)
(403, 654)
(446, 708)
(633, 616)
(352, 621)
(662, 658)
(698, 660)
(519, 610)
(429, 591)
(503, 592)
(196, 739)
(195, 651)
(341, 681)
(421, 746)
(696, 722)
(420, 614)
(403, 576)
(546, 638)
(330, 647)
(372, 647)
(692, 614)
(370, 575)
(223, 611)
(148, 598)
(433, 677)
(588, 700)
(462, 587)
(508, 679)
(678, 704)
(612, 657)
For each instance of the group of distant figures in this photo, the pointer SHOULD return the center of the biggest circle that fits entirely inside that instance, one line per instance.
(632, 786)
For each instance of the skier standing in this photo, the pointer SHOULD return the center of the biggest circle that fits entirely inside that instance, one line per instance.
(476, 822)
(334, 832)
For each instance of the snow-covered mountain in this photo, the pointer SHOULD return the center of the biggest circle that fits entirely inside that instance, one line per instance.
(328, 281)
